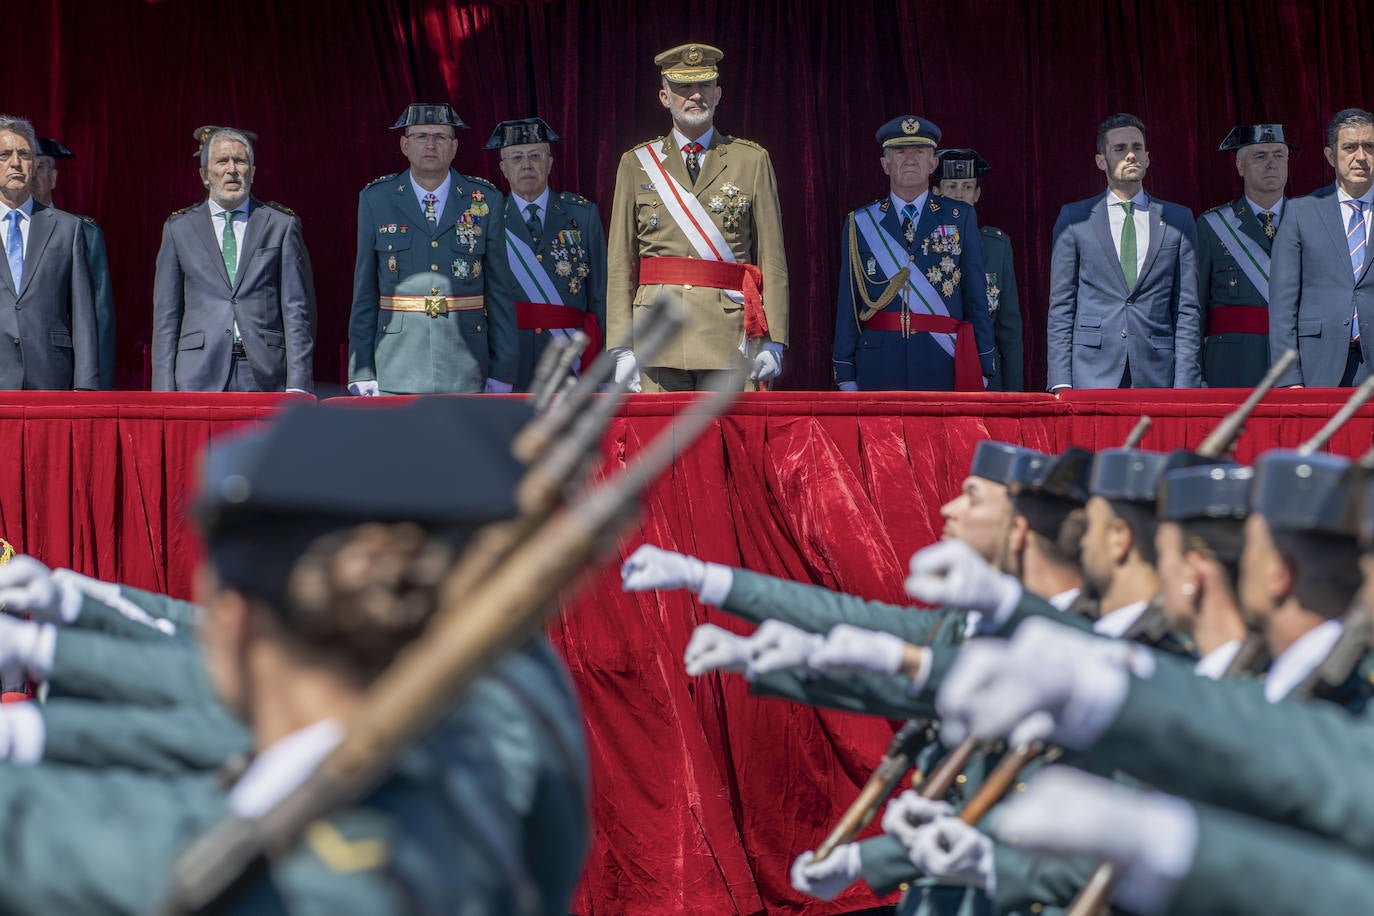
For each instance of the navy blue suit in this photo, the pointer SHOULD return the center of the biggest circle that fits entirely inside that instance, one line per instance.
(1098, 327)
(883, 360)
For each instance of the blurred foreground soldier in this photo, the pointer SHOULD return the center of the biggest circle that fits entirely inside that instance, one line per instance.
(913, 306)
(959, 174)
(44, 180)
(696, 212)
(47, 302)
(433, 296)
(1233, 243)
(233, 296)
(1321, 260)
(556, 247)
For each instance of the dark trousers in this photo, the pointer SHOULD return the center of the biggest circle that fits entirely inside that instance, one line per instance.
(1353, 360)
(241, 376)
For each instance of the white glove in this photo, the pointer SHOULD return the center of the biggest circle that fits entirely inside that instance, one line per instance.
(626, 367)
(496, 386)
(909, 812)
(651, 567)
(712, 648)
(851, 648)
(22, 733)
(1150, 836)
(828, 878)
(365, 389)
(776, 646)
(29, 587)
(952, 574)
(848, 386)
(27, 645)
(954, 852)
(767, 363)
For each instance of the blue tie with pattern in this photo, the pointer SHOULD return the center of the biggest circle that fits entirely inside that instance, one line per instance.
(1356, 237)
(14, 248)
(909, 222)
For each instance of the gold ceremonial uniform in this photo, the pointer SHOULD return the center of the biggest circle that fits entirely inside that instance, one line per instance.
(737, 189)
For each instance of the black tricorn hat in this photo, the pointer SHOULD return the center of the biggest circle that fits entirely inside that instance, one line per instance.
(1249, 134)
(518, 133)
(49, 147)
(959, 163)
(418, 114)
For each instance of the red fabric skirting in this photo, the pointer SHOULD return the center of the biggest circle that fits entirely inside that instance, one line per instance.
(703, 794)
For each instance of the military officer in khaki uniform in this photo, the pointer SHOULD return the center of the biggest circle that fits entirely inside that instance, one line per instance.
(1233, 246)
(959, 175)
(696, 214)
(556, 247)
(433, 297)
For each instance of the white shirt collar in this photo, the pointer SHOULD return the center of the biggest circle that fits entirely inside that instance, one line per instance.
(440, 192)
(920, 202)
(1213, 665)
(282, 767)
(1367, 198)
(542, 202)
(1062, 600)
(1141, 200)
(1277, 209)
(25, 208)
(1114, 624)
(705, 139)
(217, 211)
(1301, 659)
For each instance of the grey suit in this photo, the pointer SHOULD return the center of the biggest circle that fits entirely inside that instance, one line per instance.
(48, 330)
(1313, 293)
(1098, 327)
(195, 306)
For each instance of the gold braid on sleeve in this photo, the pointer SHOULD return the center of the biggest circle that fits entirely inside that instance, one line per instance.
(871, 306)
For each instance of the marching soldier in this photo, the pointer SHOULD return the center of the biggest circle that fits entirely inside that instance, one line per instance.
(1234, 243)
(556, 247)
(433, 296)
(959, 175)
(696, 213)
(910, 315)
(44, 180)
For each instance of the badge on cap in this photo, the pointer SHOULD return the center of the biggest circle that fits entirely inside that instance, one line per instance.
(911, 126)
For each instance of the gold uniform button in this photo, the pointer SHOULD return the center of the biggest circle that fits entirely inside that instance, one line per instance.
(1036, 907)
(539, 257)
(433, 244)
(434, 267)
(903, 886)
(388, 248)
(961, 779)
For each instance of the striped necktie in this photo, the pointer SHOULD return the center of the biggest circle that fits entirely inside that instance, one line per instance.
(1356, 238)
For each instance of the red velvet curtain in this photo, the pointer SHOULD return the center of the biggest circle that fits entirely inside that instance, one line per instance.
(124, 82)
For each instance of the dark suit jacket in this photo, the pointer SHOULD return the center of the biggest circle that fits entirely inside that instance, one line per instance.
(1314, 293)
(48, 330)
(1096, 324)
(194, 305)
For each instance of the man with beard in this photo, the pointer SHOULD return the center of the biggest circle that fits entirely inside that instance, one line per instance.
(1234, 243)
(696, 216)
(913, 300)
(556, 247)
(1123, 279)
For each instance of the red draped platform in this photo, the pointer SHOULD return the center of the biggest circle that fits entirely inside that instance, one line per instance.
(703, 794)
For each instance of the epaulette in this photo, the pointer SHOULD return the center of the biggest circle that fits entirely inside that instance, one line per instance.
(572, 198)
(280, 208)
(84, 218)
(1217, 209)
(344, 855)
(380, 180)
(992, 230)
(482, 181)
(746, 143)
(176, 213)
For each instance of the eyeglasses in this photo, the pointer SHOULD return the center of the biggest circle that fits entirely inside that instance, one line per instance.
(531, 158)
(426, 138)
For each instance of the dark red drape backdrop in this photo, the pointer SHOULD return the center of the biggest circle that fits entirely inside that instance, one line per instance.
(124, 82)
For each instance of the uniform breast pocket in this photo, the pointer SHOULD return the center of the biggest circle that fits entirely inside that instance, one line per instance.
(388, 243)
(648, 211)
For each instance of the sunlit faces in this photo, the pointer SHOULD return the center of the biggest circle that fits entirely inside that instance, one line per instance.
(1106, 544)
(692, 105)
(908, 169)
(1264, 576)
(430, 149)
(1179, 582)
(965, 189)
(527, 166)
(1125, 159)
(16, 167)
(228, 173)
(1263, 167)
(1353, 158)
(980, 516)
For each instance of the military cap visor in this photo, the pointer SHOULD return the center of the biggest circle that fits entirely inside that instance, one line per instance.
(49, 147)
(1219, 491)
(1127, 474)
(1314, 494)
(1249, 134)
(959, 164)
(421, 114)
(908, 130)
(689, 63)
(520, 133)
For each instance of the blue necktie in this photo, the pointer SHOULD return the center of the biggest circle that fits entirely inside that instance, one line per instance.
(909, 222)
(14, 249)
(1356, 235)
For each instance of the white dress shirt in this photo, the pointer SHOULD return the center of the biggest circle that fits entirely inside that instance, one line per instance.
(1065, 598)
(1301, 659)
(441, 193)
(1213, 665)
(278, 770)
(25, 219)
(1114, 624)
(898, 204)
(705, 140)
(1116, 216)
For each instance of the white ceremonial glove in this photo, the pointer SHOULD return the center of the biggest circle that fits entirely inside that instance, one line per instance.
(652, 567)
(1151, 837)
(848, 386)
(365, 389)
(828, 878)
(712, 648)
(27, 646)
(777, 646)
(496, 386)
(22, 733)
(767, 363)
(954, 852)
(29, 587)
(626, 367)
(909, 812)
(851, 648)
(952, 574)
(297, 391)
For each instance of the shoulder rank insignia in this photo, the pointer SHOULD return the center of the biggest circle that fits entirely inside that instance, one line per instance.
(175, 213)
(482, 181)
(84, 218)
(935, 208)
(380, 179)
(341, 854)
(572, 197)
(280, 208)
(885, 205)
(749, 143)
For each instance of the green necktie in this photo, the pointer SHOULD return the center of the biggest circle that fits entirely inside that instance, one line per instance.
(230, 245)
(1128, 244)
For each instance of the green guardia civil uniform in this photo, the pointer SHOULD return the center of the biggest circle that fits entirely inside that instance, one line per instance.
(167, 741)
(98, 261)
(1233, 291)
(1004, 304)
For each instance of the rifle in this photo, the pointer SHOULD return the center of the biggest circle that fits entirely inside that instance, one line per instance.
(1352, 404)
(561, 370)
(1000, 781)
(472, 630)
(1220, 440)
(543, 370)
(1138, 432)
